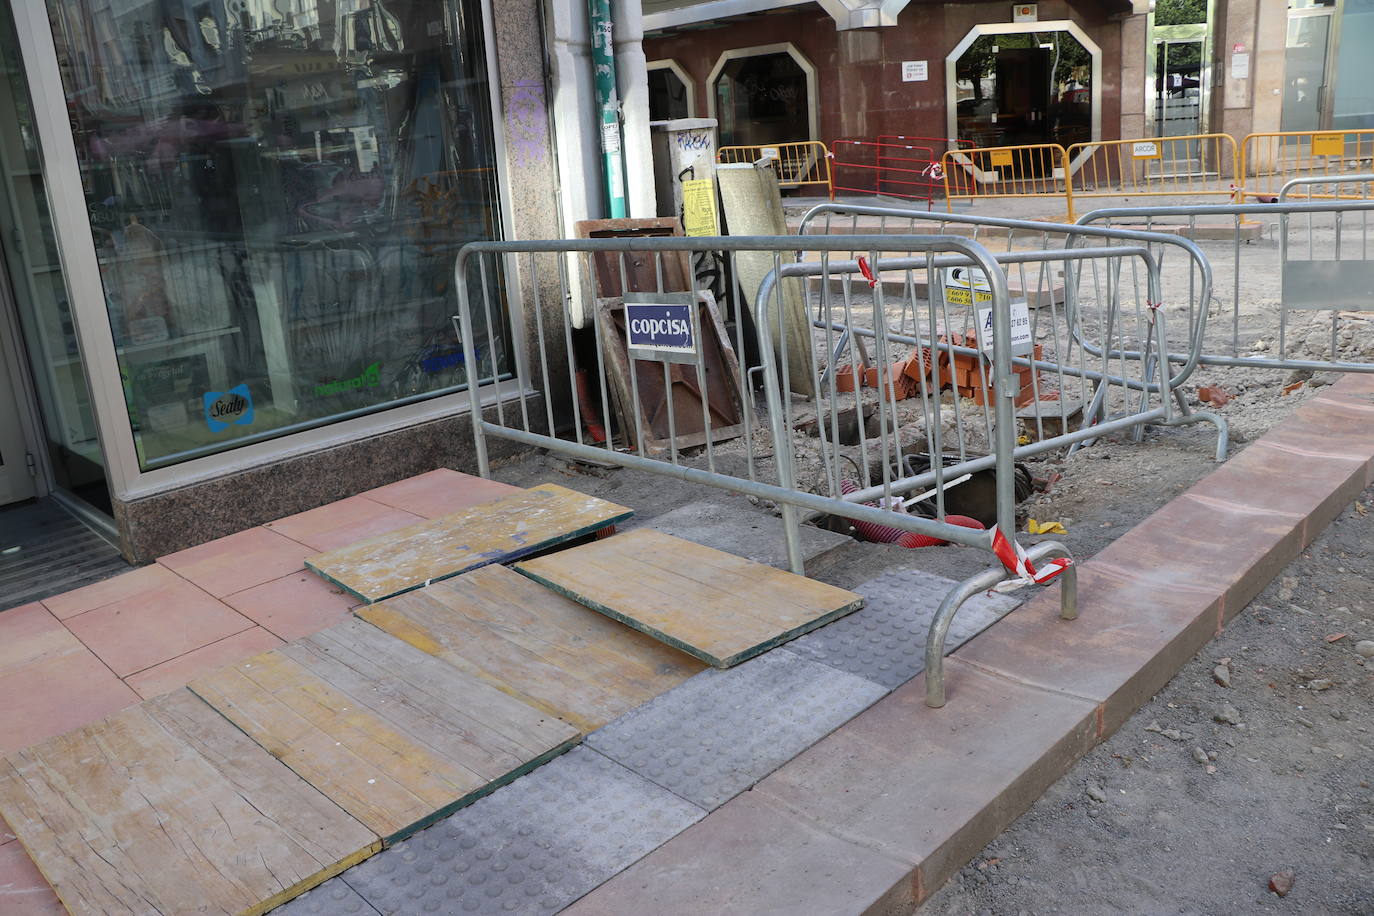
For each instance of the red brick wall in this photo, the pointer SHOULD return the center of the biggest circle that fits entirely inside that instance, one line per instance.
(859, 74)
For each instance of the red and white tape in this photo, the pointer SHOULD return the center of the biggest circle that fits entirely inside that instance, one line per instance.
(1014, 558)
(867, 272)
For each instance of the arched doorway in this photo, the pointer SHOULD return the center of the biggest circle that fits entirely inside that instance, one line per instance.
(763, 95)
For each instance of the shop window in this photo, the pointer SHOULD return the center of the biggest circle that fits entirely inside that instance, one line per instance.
(670, 92)
(277, 191)
(762, 98)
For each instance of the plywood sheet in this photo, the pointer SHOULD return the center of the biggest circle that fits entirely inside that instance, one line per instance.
(535, 644)
(716, 606)
(494, 532)
(168, 808)
(395, 737)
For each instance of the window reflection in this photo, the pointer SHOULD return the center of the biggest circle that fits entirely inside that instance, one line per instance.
(277, 189)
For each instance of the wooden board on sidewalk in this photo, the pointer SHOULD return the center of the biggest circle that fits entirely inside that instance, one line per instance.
(395, 737)
(535, 644)
(719, 607)
(495, 532)
(168, 808)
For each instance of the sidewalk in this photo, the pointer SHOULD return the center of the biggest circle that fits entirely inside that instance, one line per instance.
(73, 658)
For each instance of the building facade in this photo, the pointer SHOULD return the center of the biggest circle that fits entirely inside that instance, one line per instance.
(228, 237)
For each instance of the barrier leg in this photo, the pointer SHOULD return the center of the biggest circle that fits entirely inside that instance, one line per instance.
(944, 616)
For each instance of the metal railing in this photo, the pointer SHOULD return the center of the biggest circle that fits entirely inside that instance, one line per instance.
(1270, 159)
(909, 170)
(1297, 301)
(806, 441)
(1183, 166)
(1109, 360)
(799, 163)
(1031, 170)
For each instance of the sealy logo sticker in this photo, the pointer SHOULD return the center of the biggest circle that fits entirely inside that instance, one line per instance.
(224, 409)
(370, 377)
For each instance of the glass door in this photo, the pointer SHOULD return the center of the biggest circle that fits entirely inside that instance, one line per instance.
(33, 272)
(1305, 101)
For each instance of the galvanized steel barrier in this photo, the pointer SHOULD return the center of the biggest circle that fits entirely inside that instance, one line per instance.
(796, 455)
(1118, 340)
(803, 162)
(1321, 249)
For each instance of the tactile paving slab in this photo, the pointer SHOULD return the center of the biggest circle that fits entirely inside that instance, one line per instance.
(332, 898)
(885, 641)
(532, 847)
(715, 735)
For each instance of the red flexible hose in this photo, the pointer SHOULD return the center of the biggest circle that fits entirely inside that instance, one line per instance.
(886, 534)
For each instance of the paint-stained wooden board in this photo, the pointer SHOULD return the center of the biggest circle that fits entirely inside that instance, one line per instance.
(495, 532)
(394, 736)
(168, 808)
(719, 607)
(535, 644)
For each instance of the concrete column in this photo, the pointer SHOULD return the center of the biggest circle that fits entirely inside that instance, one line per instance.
(1136, 91)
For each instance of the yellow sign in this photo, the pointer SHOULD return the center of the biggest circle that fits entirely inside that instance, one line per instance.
(1328, 144)
(699, 207)
(1000, 157)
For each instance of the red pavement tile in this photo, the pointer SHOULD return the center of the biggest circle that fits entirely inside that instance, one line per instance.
(931, 787)
(180, 671)
(50, 681)
(754, 856)
(155, 626)
(294, 606)
(342, 523)
(6, 834)
(124, 585)
(440, 492)
(30, 634)
(231, 564)
(1272, 479)
(23, 892)
(1135, 629)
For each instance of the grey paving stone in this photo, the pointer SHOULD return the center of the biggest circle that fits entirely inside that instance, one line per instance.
(885, 640)
(754, 535)
(531, 847)
(716, 734)
(332, 898)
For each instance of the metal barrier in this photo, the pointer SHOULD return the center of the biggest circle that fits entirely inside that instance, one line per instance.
(1184, 166)
(1310, 316)
(1270, 159)
(1034, 170)
(907, 170)
(1104, 342)
(797, 455)
(803, 162)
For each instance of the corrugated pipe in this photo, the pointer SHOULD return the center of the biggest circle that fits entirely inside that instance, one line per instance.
(886, 534)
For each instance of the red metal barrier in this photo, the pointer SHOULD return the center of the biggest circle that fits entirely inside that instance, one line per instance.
(893, 165)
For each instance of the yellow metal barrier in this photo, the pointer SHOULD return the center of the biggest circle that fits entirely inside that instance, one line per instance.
(1033, 170)
(1187, 166)
(803, 162)
(1271, 159)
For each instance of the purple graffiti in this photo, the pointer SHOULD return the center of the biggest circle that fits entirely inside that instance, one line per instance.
(527, 137)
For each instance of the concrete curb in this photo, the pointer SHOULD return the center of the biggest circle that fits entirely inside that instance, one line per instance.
(877, 816)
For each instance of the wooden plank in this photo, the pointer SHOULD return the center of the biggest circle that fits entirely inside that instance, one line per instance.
(394, 736)
(494, 532)
(167, 808)
(716, 606)
(534, 644)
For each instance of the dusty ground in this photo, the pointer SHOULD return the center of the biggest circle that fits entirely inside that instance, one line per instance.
(1181, 813)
